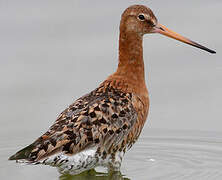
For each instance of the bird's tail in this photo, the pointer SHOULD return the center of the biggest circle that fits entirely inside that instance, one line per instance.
(23, 154)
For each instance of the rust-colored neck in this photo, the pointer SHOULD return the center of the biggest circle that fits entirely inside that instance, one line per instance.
(131, 66)
(131, 63)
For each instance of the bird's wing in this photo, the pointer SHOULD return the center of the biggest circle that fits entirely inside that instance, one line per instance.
(101, 118)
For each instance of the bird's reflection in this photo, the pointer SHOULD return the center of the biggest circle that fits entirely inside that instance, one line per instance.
(93, 175)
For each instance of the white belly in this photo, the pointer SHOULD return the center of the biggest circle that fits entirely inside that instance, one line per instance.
(74, 164)
(83, 161)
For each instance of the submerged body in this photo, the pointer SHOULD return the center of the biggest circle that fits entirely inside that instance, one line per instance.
(98, 128)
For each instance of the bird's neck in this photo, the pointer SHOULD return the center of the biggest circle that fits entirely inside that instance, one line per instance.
(131, 66)
(131, 55)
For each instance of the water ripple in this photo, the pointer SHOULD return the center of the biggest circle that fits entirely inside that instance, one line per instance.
(176, 155)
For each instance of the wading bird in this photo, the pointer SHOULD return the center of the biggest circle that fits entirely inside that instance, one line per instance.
(98, 128)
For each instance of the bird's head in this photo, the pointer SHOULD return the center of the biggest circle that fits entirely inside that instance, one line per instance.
(141, 20)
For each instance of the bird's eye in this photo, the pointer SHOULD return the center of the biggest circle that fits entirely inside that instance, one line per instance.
(141, 17)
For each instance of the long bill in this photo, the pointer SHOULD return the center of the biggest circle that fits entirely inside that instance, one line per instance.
(159, 28)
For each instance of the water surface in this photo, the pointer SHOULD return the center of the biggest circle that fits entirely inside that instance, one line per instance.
(159, 154)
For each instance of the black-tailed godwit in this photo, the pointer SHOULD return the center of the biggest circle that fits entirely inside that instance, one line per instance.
(98, 128)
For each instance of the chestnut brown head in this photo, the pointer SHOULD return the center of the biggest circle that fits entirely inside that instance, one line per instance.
(138, 19)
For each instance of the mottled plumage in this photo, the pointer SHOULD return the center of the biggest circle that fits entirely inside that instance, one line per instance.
(100, 120)
(98, 128)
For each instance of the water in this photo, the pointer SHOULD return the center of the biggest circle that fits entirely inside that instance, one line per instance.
(159, 154)
(53, 52)
(177, 155)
